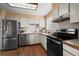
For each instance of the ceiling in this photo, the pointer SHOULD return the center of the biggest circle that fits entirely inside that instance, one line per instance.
(42, 10)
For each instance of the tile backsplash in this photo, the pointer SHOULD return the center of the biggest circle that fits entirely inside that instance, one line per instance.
(66, 24)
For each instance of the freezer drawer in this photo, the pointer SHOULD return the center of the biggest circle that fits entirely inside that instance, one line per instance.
(9, 44)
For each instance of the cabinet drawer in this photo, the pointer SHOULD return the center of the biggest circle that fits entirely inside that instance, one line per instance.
(71, 50)
(32, 39)
(65, 53)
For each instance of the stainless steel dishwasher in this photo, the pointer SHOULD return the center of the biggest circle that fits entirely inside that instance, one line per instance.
(23, 39)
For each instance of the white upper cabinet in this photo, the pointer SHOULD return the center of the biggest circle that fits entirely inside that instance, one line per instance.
(55, 11)
(49, 22)
(63, 8)
(74, 11)
(42, 22)
(24, 22)
(36, 21)
(31, 21)
(60, 9)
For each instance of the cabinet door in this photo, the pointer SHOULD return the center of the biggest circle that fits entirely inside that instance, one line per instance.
(42, 22)
(36, 21)
(49, 22)
(31, 21)
(74, 11)
(55, 11)
(24, 22)
(63, 8)
(71, 50)
(43, 41)
(37, 38)
(32, 39)
(65, 53)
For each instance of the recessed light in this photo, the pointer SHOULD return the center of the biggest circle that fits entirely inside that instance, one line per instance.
(24, 5)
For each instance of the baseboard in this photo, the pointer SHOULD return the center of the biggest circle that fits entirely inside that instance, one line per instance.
(33, 44)
(30, 44)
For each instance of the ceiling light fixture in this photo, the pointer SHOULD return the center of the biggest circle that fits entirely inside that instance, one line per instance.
(24, 5)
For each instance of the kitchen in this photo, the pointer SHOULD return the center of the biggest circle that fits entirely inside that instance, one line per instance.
(40, 29)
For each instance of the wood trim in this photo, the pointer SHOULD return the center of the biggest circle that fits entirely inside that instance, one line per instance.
(31, 44)
(24, 15)
(56, 5)
(2, 12)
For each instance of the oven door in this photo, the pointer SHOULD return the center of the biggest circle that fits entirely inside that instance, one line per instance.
(54, 48)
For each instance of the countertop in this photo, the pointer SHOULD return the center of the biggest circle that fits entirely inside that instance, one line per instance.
(49, 35)
(74, 43)
(28, 33)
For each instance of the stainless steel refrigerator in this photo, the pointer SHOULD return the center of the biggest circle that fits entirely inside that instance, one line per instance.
(8, 34)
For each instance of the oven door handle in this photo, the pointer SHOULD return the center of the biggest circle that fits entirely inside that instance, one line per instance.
(58, 42)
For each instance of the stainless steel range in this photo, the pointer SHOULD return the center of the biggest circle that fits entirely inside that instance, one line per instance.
(55, 44)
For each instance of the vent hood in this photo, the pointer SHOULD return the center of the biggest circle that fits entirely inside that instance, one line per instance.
(62, 18)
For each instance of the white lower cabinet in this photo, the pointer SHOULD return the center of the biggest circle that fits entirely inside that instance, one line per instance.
(38, 38)
(43, 40)
(31, 38)
(34, 39)
(66, 53)
(72, 51)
